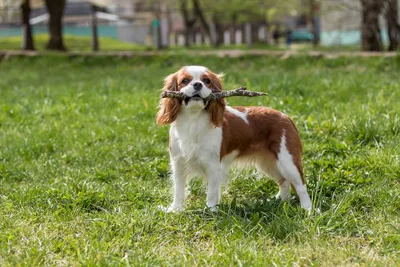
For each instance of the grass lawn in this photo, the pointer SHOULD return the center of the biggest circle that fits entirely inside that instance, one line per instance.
(83, 166)
(73, 43)
(84, 44)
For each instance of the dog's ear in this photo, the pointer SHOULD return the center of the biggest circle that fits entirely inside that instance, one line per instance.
(216, 110)
(169, 107)
(171, 82)
(216, 81)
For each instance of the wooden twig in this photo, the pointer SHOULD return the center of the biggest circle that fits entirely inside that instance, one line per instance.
(214, 96)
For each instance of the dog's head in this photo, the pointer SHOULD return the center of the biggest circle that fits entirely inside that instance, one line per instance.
(197, 83)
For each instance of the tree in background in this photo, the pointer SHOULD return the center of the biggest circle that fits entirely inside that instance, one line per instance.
(314, 7)
(189, 19)
(198, 11)
(56, 12)
(393, 26)
(371, 39)
(191, 13)
(95, 37)
(229, 13)
(27, 42)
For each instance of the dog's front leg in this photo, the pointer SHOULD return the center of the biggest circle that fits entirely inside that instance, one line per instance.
(179, 179)
(214, 186)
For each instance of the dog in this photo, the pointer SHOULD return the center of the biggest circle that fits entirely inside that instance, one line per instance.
(207, 137)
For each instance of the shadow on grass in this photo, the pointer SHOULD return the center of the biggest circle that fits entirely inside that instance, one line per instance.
(272, 218)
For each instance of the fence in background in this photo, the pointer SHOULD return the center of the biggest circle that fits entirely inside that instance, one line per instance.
(142, 34)
(104, 30)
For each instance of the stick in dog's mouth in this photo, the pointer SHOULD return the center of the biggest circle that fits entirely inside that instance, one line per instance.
(241, 91)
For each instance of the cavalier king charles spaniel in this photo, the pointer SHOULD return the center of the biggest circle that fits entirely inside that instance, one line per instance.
(207, 137)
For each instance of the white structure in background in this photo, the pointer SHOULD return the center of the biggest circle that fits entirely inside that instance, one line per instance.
(39, 19)
(107, 16)
(130, 27)
(10, 9)
(7, 10)
(122, 8)
(341, 22)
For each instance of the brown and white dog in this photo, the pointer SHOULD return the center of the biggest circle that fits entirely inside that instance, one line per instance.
(207, 137)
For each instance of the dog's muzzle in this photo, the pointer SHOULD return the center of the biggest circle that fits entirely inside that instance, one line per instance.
(195, 97)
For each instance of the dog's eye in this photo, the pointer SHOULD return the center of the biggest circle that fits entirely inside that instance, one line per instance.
(206, 81)
(185, 81)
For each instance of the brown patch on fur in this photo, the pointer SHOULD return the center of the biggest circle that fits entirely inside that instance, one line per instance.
(263, 134)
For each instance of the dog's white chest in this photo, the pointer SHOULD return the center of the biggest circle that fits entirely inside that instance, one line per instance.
(196, 141)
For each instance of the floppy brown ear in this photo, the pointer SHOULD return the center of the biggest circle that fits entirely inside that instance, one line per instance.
(216, 81)
(216, 108)
(216, 111)
(169, 107)
(171, 82)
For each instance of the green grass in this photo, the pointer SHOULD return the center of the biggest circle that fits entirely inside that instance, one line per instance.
(73, 43)
(83, 166)
(84, 44)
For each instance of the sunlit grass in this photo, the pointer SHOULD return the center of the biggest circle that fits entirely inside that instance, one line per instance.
(83, 167)
(72, 43)
(76, 43)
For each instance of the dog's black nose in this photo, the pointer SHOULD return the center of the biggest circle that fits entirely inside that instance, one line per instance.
(197, 86)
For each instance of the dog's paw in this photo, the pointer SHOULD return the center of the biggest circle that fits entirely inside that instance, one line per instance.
(315, 211)
(283, 196)
(170, 209)
(308, 208)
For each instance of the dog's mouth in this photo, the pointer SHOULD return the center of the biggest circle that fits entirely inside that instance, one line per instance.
(195, 97)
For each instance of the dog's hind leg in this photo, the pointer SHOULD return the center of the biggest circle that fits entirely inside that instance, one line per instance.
(270, 169)
(292, 173)
(284, 189)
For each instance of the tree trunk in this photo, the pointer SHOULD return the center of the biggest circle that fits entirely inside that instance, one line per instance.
(232, 28)
(189, 23)
(255, 27)
(266, 32)
(248, 34)
(95, 39)
(370, 32)
(27, 43)
(56, 11)
(219, 31)
(393, 26)
(313, 24)
(200, 14)
(189, 34)
(169, 21)
(158, 28)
